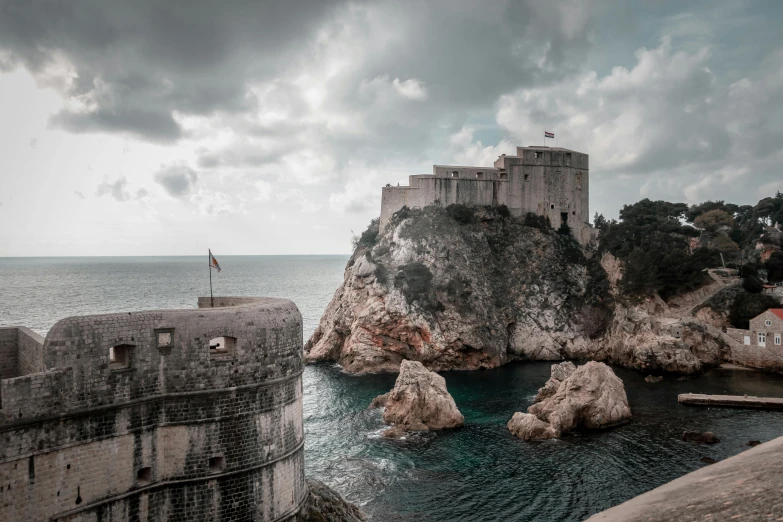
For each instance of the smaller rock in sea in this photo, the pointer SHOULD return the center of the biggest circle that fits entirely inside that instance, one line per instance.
(653, 378)
(419, 401)
(591, 396)
(700, 438)
(708, 460)
(753, 443)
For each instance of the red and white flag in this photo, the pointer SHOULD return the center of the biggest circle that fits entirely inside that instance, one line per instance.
(548, 134)
(213, 262)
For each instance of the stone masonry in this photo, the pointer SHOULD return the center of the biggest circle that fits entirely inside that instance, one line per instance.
(134, 417)
(762, 345)
(548, 181)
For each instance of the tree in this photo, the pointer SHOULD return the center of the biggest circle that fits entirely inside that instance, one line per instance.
(747, 306)
(752, 284)
(697, 210)
(714, 220)
(774, 266)
(723, 244)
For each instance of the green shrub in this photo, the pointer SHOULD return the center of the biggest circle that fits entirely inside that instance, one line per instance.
(381, 274)
(415, 281)
(747, 306)
(752, 284)
(369, 237)
(462, 214)
(540, 222)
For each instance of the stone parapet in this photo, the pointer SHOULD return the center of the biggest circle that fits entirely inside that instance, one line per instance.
(136, 417)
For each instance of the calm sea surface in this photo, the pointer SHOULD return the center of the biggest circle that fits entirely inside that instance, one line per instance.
(479, 472)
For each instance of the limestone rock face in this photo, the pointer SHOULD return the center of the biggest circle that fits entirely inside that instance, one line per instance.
(453, 296)
(323, 504)
(559, 373)
(529, 427)
(419, 401)
(478, 293)
(592, 396)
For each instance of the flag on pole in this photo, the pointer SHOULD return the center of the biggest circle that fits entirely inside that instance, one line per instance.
(549, 134)
(213, 262)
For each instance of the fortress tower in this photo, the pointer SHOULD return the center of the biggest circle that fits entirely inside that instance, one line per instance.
(163, 415)
(547, 181)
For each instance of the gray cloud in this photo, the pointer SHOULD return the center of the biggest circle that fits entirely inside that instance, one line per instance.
(117, 189)
(78, 194)
(130, 67)
(178, 181)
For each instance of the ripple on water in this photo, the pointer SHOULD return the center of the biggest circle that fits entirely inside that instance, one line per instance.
(482, 472)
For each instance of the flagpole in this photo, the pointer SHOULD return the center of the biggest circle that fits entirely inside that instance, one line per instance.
(209, 262)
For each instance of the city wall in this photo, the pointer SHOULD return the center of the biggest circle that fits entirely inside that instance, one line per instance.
(166, 428)
(548, 182)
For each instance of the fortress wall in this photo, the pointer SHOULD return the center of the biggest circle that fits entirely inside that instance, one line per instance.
(86, 432)
(30, 352)
(447, 171)
(443, 191)
(548, 182)
(9, 352)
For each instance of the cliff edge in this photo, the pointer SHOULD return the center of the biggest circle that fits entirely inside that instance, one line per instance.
(468, 288)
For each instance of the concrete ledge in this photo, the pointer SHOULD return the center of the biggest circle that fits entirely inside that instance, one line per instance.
(744, 487)
(731, 401)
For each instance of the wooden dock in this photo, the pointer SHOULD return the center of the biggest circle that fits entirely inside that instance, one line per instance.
(731, 401)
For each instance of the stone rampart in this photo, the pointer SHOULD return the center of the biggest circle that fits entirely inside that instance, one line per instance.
(550, 182)
(138, 418)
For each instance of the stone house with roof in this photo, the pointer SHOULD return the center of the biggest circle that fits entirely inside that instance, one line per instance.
(761, 346)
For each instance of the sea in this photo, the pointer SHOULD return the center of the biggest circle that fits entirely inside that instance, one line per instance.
(479, 472)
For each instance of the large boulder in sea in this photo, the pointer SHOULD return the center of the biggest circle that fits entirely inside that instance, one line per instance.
(469, 288)
(592, 396)
(419, 401)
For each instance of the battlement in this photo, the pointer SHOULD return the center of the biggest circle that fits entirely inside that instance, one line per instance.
(122, 411)
(548, 181)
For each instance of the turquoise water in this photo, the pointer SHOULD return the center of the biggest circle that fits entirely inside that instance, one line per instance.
(479, 472)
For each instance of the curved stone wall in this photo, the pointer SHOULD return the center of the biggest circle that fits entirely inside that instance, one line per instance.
(169, 429)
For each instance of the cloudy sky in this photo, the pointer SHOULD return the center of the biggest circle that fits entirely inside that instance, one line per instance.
(261, 127)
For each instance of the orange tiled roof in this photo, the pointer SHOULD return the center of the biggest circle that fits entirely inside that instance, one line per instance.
(777, 311)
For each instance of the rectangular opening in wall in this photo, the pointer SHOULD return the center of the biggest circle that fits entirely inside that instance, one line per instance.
(504, 175)
(454, 173)
(479, 175)
(527, 177)
(568, 158)
(119, 356)
(564, 217)
(222, 346)
(539, 154)
(144, 476)
(216, 465)
(777, 339)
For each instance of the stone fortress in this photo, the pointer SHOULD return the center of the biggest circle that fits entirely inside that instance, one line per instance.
(548, 181)
(155, 416)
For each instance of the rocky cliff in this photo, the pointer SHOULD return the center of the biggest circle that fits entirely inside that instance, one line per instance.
(462, 288)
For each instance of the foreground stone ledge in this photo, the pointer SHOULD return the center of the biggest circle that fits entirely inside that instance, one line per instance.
(744, 487)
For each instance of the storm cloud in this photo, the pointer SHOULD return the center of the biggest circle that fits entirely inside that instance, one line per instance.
(302, 110)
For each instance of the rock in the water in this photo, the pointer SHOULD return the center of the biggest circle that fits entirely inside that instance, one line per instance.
(419, 401)
(380, 401)
(323, 504)
(700, 438)
(708, 460)
(480, 292)
(753, 443)
(528, 427)
(558, 373)
(653, 379)
(592, 397)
